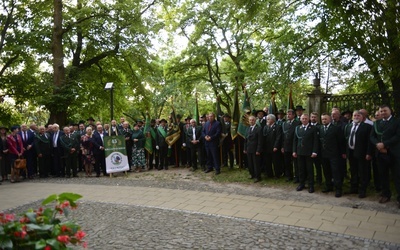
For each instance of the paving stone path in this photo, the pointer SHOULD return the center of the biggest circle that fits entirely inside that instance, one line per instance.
(118, 216)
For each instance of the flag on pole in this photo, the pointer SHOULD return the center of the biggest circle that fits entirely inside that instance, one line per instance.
(244, 122)
(196, 115)
(149, 134)
(272, 109)
(235, 116)
(290, 104)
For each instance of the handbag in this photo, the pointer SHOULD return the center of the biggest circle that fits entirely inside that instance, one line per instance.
(20, 164)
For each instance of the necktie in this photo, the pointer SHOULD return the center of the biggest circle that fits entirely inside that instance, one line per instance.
(252, 127)
(325, 128)
(55, 139)
(25, 136)
(209, 127)
(353, 132)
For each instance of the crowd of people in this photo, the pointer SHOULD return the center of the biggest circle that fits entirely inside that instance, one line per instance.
(302, 148)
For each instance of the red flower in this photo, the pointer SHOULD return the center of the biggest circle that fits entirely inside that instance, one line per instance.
(64, 228)
(47, 247)
(9, 217)
(63, 238)
(80, 234)
(65, 204)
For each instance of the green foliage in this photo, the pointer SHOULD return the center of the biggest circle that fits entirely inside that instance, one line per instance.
(42, 229)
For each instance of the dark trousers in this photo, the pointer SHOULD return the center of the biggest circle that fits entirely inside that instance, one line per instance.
(194, 152)
(306, 169)
(332, 170)
(318, 169)
(44, 164)
(240, 156)
(227, 155)
(288, 163)
(58, 168)
(129, 154)
(202, 155)
(153, 158)
(213, 157)
(189, 156)
(100, 163)
(359, 173)
(71, 162)
(254, 165)
(273, 164)
(30, 157)
(162, 152)
(386, 163)
(375, 173)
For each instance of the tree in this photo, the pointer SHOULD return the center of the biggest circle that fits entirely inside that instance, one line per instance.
(368, 30)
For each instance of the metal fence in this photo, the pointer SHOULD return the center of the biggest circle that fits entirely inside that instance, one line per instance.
(351, 102)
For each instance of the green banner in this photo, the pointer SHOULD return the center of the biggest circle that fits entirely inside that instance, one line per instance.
(115, 151)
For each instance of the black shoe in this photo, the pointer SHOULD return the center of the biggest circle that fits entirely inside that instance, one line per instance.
(384, 199)
(208, 171)
(257, 180)
(338, 194)
(217, 172)
(300, 187)
(75, 175)
(311, 190)
(288, 180)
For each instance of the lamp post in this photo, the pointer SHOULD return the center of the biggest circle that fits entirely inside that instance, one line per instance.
(109, 86)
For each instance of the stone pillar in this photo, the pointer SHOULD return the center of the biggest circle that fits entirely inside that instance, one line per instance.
(315, 102)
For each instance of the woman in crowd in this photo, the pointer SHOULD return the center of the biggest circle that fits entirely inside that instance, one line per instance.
(138, 156)
(5, 167)
(15, 150)
(87, 151)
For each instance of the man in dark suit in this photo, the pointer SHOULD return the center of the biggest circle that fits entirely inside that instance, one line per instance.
(193, 135)
(58, 164)
(43, 149)
(299, 112)
(332, 151)
(272, 143)
(358, 151)
(98, 151)
(261, 119)
(161, 144)
(305, 148)
(280, 117)
(385, 136)
(127, 133)
(288, 129)
(28, 139)
(227, 144)
(211, 133)
(70, 146)
(317, 160)
(253, 147)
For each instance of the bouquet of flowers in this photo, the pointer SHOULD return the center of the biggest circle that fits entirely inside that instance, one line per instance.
(42, 228)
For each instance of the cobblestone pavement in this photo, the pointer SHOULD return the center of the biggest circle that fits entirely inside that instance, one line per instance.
(119, 226)
(124, 213)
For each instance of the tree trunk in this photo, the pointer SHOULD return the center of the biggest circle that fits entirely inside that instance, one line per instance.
(58, 110)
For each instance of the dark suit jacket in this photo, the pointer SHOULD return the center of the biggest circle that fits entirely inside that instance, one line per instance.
(30, 140)
(160, 139)
(288, 135)
(254, 140)
(214, 131)
(43, 144)
(272, 138)
(389, 134)
(362, 145)
(332, 141)
(68, 143)
(98, 142)
(189, 136)
(59, 148)
(305, 142)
